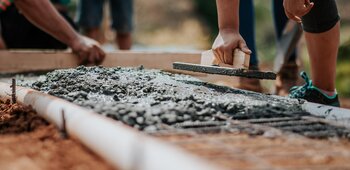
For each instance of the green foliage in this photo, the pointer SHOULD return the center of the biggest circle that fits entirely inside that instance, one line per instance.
(72, 8)
(343, 78)
(265, 35)
(207, 9)
(343, 70)
(344, 51)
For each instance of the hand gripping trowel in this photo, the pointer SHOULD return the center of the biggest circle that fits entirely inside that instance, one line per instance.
(210, 65)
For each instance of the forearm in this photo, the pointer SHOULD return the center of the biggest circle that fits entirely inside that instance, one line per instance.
(43, 14)
(228, 14)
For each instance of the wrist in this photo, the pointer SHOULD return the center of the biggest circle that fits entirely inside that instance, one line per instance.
(75, 43)
(228, 30)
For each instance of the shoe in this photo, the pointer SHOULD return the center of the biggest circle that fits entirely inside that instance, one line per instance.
(287, 77)
(249, 83)
(312, 94)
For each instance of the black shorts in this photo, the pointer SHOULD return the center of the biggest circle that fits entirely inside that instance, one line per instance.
(19, 33)
(322, 17)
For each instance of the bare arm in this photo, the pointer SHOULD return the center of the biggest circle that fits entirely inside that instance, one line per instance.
(229, 37)
(43, 14)
(228, 14)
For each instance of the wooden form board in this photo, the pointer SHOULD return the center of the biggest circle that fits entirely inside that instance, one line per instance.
(27, 61)
(24, 61)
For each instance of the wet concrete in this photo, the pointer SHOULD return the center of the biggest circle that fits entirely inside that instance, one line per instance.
(150, 99)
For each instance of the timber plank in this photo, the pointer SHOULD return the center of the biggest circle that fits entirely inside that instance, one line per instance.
(32, 61)
(26, 61)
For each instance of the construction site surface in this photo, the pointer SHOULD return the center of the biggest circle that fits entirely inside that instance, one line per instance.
(231, 128)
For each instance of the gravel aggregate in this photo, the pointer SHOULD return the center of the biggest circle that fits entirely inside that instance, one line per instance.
(149, 99)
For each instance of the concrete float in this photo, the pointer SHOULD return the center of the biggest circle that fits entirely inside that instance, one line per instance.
(118, 144)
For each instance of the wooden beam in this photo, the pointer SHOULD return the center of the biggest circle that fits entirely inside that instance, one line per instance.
(26, 61)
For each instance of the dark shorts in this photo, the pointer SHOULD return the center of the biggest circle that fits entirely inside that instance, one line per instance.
(19, 33)
(323, 16)
(90, 14)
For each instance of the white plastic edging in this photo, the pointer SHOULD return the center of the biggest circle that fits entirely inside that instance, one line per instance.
(118, 144)
(339, 115)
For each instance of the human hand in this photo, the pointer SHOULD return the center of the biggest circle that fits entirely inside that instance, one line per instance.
(225, 44)
(295, 9)
(88, 51)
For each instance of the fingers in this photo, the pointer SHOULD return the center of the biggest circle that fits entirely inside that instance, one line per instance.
(228, 56)
(100, 55)
(224, 54)
(243, 46)
(224, 49)
(293, 17)
(295, 9)
(307, 8)
(91, 56)
(217, 58)
(219, 54)
(89, 52)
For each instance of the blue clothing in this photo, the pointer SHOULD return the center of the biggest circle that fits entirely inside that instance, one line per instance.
(247, 25)
(90, 14)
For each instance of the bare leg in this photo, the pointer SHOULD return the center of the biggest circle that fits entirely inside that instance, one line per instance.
(2, 43)
(124, 41)
(323, 51)
(93, 33)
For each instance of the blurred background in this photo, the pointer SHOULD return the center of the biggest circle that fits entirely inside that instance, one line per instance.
(191, 25)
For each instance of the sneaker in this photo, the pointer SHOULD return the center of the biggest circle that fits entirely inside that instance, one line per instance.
(312, 93)
(287, 77)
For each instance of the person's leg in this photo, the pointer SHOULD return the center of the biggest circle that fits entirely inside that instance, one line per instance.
(90, 14)
(280, 22)
(124, 40)
(322, 34)
(287, 76)
(323, 52)
(122, 15)
(247, 30)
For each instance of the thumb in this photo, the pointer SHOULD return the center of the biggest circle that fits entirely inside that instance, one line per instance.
(308, 8)
(243, 46)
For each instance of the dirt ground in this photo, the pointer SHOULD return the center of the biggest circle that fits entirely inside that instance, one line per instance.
(29, 142)
(345, 103)
(245, 152)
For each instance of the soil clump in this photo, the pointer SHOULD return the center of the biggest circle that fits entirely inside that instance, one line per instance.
(27, 141)
(16, 118)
